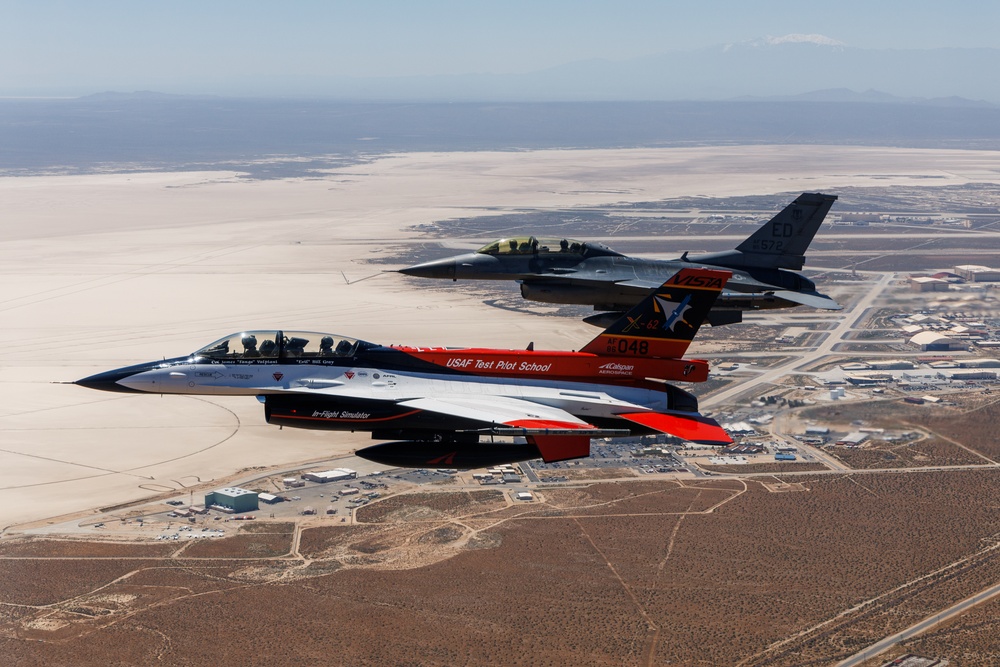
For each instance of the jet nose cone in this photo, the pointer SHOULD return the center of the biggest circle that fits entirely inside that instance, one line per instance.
(109, 381)
(440, 268)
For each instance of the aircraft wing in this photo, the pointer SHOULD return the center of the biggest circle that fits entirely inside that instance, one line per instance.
(650, 285)
(813, 300)
(639, 283)
(573, 278)
(691, 427)
(504, 413)
(557, 434)
(501, 415)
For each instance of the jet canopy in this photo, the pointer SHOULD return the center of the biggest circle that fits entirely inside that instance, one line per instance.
(272, 344)
(531, 245)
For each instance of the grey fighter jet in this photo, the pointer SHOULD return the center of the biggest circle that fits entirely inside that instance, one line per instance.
(764, 269)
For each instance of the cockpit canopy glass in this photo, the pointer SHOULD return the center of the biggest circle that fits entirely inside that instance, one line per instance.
(528, 245)
(271, 344)
(532, 245)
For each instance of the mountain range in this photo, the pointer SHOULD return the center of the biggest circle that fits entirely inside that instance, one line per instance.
(767, 68)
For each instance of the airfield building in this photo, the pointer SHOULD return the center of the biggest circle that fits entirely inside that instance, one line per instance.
(974, 273)
(970, 375)
(853, 439)
(232, 499)
(739, 428)
(892, 365)
(335, 475)
(931, 340)
(746, 448)
(985, 362)
(928, 284)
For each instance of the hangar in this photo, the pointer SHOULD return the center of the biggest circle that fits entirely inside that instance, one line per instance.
(975, 273)
(928, 284)
(232, 499)
(931, 340)
(335, 475)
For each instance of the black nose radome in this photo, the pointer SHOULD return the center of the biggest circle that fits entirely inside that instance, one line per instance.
(442, 268)
(108, 381)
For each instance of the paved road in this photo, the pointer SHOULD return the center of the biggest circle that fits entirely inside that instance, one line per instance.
(921, 627)
(848, 322)
(854, 472)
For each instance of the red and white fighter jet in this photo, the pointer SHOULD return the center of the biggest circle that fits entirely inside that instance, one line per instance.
(445, 407)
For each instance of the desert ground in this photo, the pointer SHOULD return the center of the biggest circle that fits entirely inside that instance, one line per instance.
(102, 271)
(710, 572)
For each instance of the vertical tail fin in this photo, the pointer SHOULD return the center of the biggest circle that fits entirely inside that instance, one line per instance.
(782, 242)
(664, 323)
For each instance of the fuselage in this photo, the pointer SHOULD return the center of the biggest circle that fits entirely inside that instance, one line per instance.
(607, 280)
(201, 376)
(365, 387)
(606, 266)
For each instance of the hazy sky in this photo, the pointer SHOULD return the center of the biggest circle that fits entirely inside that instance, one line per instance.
(260, 47)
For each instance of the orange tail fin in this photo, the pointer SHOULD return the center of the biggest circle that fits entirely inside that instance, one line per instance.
(665, 322)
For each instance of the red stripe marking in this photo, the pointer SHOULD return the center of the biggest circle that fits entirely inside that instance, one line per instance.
(692, 428)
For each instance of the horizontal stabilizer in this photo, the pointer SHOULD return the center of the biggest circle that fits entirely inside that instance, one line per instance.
(720, 318)
(716, 318)
(813, 300)
(691, 427)
(561, 448)
(639, 283)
